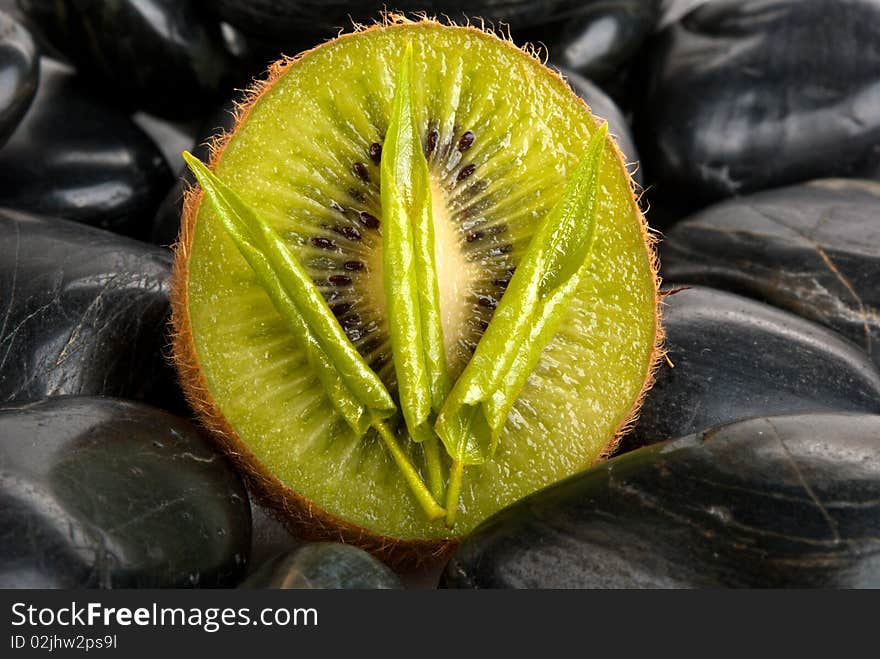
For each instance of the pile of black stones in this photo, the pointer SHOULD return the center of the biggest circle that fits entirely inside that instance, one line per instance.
(756, 459)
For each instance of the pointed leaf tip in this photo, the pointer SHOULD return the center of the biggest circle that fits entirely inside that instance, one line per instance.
(411, 287)
(527, 316)
(348, 380)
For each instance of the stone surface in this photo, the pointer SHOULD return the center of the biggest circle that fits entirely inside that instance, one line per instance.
(74, 157)
(166, 224)
(98, 492)
(323, 565)
(745, 95)
(163, 56)
(19, 73)
(171, 137)
(735, 358)
(82, 312)
(813, 249)
(596, 38)
(269, 536)
(775, 502)
(673, 10)
(314, 20)
(605, 108)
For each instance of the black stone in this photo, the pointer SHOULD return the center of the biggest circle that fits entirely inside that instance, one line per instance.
(745, 95)
(172, 137)
(269, 535)
(98, 492)
(219, 121)
(735, 358)
(598, 34)
(270, 27)
(75, 158)
(166, 224)
(673, 10)
(324, 565)
(164, 56)
(82, 312)
(813, 249)
(605, 108)
(19, 73)
(775, 502)
(308, 22)
(597, 38)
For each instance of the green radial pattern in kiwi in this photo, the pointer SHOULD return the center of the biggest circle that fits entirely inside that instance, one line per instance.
(501, 136)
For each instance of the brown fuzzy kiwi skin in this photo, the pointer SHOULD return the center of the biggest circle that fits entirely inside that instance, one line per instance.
(299, 514)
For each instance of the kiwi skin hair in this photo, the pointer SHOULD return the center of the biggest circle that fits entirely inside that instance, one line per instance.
(301, 515)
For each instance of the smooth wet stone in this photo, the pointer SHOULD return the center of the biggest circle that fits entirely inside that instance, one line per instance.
(19, 73)
(735, 358)
(673, 10)
(324, 565)
(82, 312)
(775, 502)
(171, 137)
(73, 157)
(600, 33)
(270, 27)
(164, 56)
(605, 108)
(745, 95)
(596, 38)
(813, 249)
(166, 224)
(314, 20)
(269, 536)
(99, 492)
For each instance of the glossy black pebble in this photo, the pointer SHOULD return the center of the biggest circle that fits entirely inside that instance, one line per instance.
(736, 358)
(290, 19)
(164, 56)
(74, 157)
(745, 95)
(290, 26)
(323, 565)
(813, 249)
(98, 492)
(19, 72)
(605, 108)
(672, 10)
(82, 312)
(295, 24)
(166, 224)
(777, 502)
(596, 38)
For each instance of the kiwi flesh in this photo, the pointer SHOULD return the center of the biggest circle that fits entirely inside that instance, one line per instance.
(502, 134)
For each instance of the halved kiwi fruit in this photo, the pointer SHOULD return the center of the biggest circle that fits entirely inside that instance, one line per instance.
(502, 135)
